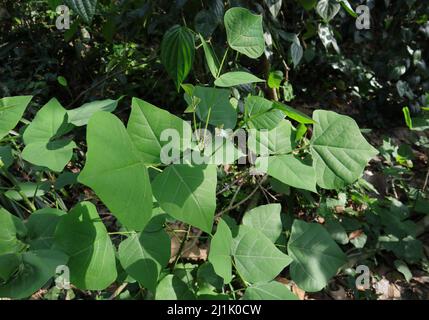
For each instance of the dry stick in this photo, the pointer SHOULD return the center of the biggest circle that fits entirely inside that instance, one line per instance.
(218, 215)
(118, 291)
(426, 181)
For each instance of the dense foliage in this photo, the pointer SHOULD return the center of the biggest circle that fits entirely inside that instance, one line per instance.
(207, 149)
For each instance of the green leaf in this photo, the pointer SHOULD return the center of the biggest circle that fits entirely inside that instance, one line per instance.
(407, 117)
(266, 219)
(146, 125)
(35, 269)
(12, 230)
(275, 79)
(215, 102)
(279, 140)
(6, 156)
(84, 8)
(11, 111)
(269, 291)
(41, 228)
(236, 78)
(293, 113)
(296, 52)
(143, 256)
(402, 267)
(82, 235)
(172, 288)
(42, 138)
(289, 170)
(257, 259)
(347, 6)
(260, 114)
(308, 4)
(62, 81)
(244, 32)
(177, 53)
(328, 9)
(80, 116)
(9, 264)
(340, 152)
(316, 256)
(220, 251)
(29, 189)
(211, 58)
(188, 193)
(337, 231)
(115, 172)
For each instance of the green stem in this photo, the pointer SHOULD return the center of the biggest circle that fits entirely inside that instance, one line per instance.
(223, 61)
(12, 179)
(182, 246)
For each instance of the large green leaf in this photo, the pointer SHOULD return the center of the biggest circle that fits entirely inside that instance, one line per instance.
(6, 156)
(42, 138)
(220, 251)
(260, 113)
(244, 32)
(316, 256)
(269, 291)
(172, 288)
(11, 111)
(80, 116)
(41, 228)
(221, 150)
(188, 193)
(290, 170)
(82, 235)
(266, 219)
(84, 8)
(11, 231)
(257, 259)
(115, 172)
(280, 140)
(215, 102)
(177, 53)
(143, 256)
(340, 152)
(147, 123)
(34, 270)
(236, 78)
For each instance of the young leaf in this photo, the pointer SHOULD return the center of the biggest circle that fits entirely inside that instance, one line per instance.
(266, 219)
(316, 256)
(340, 152)
(172, 288)
(41, 228)
(257, 259)
(236, 78)
(82, 235)
(214, 105)
(211, 58)
(11, 111)
(177, 53)
(328, 9)
(293, 113)
(289, 170)
(43, 146)
(115, 172)
(143, 255)
(269, 291)
(244, 32)
(296, 52)
(274, 6)
(80, 116)
(220, 251)
(188, 193)
(35, 269)
(260, 114)
(275, 79)
(84, 8)
(147, 123)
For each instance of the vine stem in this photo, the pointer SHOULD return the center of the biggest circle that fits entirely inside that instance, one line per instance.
(223, 61)
(182, 245)
(12, 179)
